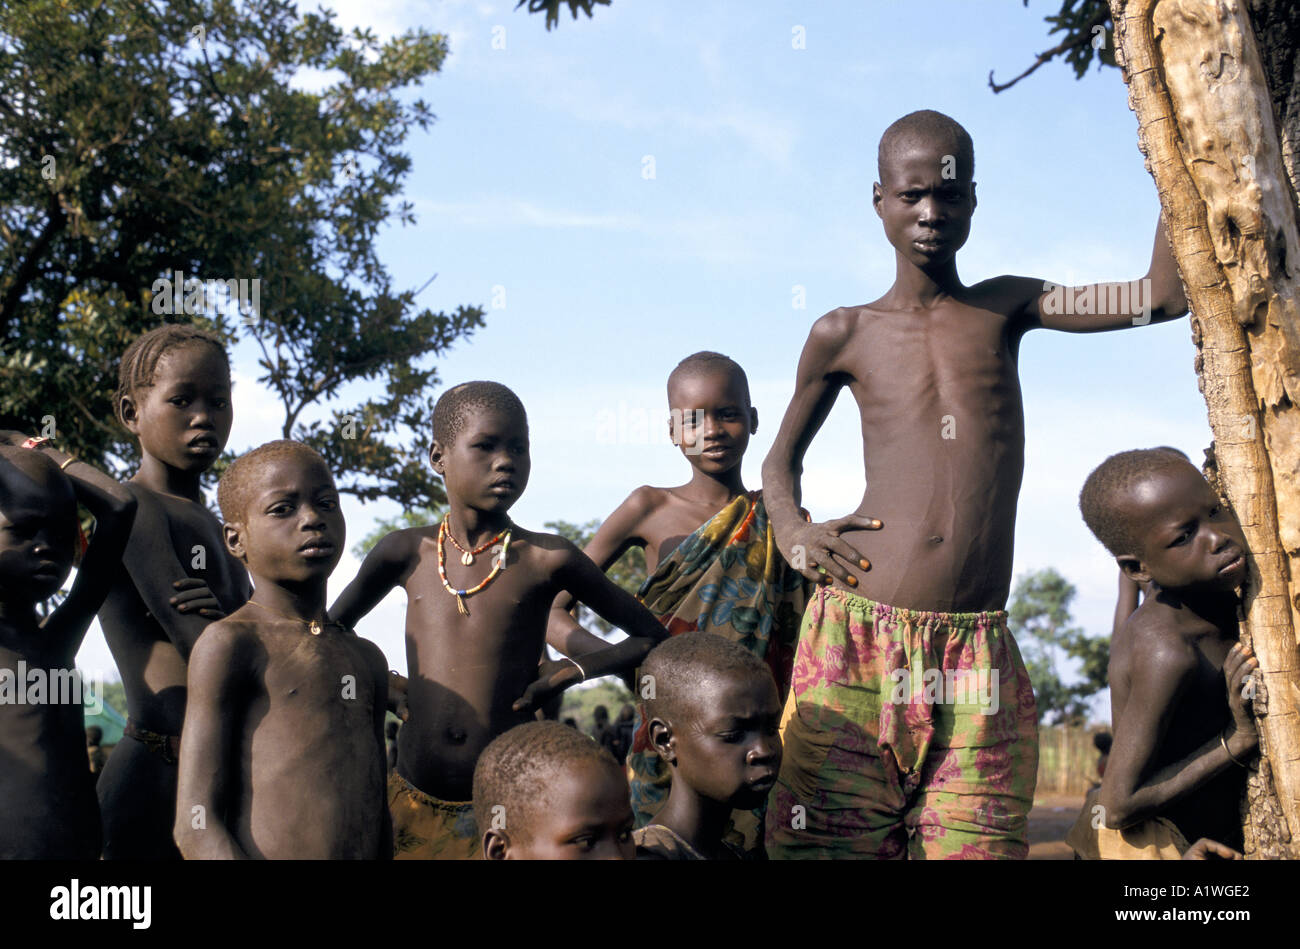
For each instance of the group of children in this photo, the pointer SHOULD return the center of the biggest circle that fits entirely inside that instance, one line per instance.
(763, 646)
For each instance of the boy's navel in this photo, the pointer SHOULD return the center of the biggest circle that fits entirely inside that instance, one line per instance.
(936, 539)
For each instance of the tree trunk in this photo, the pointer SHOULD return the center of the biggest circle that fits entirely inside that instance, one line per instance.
(1207, 126)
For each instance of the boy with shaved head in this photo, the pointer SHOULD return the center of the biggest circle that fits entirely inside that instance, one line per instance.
(479, 593)
(283, 755)
(1179, 698)
(916, 579)
(711, 555)
(713, 711)
(545, 791)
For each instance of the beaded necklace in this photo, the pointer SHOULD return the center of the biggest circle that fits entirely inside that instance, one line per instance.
(467, 556)
(497, 567)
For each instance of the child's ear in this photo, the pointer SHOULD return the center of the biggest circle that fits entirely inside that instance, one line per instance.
(234, 538)
(496, 845)
(973, 202)
(437, 456)
(877, 196)
(753, 420)
(130, 415)
(672, 434)
(661, 739)
(1133, 568)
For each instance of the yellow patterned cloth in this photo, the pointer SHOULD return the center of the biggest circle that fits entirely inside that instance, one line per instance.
(1153, 839)
(425, 828)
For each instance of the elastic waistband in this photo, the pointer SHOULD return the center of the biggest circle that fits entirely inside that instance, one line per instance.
(861, 604)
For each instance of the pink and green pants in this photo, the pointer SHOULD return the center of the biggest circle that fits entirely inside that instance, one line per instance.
(907, 734)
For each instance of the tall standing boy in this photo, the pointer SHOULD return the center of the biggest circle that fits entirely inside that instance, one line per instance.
(921, 570)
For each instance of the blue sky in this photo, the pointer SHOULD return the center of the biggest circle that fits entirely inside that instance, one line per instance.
(530, 191)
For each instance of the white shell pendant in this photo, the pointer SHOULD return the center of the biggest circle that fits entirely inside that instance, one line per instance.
(467, 558)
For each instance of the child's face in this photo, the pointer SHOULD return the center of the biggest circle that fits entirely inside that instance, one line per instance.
(926, 215)
(587, 816)
(38, 533)
(727, 747)
(293, 529)
(1191, 540)
(488, 464)
(716, 420)
(183, 419)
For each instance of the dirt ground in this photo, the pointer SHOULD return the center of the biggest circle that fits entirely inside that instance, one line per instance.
(1051, 818)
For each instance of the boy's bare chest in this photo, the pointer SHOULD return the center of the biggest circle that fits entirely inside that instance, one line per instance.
(40, 703)
(671, 523)
(477, 615)
(959, 353)
(319, 671)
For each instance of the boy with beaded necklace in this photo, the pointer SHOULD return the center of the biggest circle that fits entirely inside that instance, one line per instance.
(476, 619)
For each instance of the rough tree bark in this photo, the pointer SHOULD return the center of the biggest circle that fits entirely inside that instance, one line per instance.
(1208, 128)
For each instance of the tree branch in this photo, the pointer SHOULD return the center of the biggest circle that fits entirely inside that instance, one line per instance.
(1083, 37)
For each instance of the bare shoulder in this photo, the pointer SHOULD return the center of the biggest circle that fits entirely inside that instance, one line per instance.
(1007, 294)
(541, 545)
(371, 653)
(837, 326)
(226, 646)
(642, 503)
(1157, 645)
(544, 555)
(401, 547)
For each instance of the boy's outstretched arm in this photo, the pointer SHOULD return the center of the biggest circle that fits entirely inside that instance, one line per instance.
(617, 534)
(384, 568)
(213, 712)
(1128, 793)
(114, 511)
(817, 384)
(1091, 308)
(581, 577)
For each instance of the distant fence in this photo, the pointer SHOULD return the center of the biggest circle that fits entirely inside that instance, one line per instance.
(1067, 758)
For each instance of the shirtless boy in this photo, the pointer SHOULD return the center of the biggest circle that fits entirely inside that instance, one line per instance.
(175, 577)
(479, 593)
(545, 791)
(47, 793)
(713, 719)
(707, 545)
(1183, 729)
(932, 368)
(284, 755)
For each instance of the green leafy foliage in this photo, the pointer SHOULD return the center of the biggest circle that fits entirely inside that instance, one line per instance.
(1088, 35)
(1039, 618)
(138, 139)
(552, 8)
